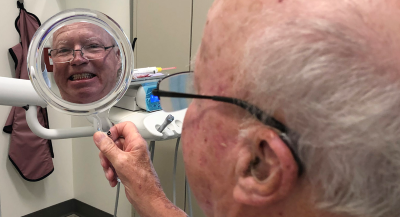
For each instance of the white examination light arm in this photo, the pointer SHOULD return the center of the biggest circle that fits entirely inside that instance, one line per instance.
(39, 130)
(19, 92)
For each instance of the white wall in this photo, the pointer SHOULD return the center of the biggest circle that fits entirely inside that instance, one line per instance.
(20, 197)
(200, 12)
(118, 10)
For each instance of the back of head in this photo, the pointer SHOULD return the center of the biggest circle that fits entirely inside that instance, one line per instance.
(336, 83)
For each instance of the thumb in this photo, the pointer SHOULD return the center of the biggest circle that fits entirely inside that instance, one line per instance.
(106, 146)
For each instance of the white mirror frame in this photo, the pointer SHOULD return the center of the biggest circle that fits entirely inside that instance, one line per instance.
(35, 54)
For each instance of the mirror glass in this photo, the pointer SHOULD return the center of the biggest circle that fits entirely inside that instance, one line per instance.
(80, 62)
(86, 62)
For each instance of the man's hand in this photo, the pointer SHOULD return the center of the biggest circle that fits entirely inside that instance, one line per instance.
(124, 153)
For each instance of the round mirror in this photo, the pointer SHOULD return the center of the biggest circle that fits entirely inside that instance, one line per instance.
(80, 62)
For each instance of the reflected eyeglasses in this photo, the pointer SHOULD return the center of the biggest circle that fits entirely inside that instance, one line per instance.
(176, 92)
(89, 52)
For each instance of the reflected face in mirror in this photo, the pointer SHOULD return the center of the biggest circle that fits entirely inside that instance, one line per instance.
(86, 62)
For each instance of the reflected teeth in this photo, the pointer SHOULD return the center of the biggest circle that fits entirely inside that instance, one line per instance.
(82, 76)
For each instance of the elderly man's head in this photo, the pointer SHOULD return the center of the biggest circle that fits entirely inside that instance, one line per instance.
(90, 72)
(329, 71)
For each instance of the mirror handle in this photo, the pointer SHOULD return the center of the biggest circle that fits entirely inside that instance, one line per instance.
(39, 130)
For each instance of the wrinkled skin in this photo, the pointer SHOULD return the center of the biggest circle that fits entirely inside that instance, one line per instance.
(105, 70)
(216, 159)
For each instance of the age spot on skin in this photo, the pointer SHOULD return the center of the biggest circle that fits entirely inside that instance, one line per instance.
(203, 161)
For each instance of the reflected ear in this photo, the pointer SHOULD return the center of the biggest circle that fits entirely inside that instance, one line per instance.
(118, 54)
(267, 171)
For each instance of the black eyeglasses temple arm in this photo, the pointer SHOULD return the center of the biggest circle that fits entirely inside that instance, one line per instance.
(258, 113)
(157, 92)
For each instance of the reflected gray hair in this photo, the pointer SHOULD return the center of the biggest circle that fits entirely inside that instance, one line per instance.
(342, 100)
(50, 42)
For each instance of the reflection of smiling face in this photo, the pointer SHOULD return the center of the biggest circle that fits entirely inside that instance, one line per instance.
(82, 80)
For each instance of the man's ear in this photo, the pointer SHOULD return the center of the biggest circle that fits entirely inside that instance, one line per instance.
(266, 169)
(118, 54)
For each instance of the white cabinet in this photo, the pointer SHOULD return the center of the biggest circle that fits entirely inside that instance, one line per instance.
(163, 32)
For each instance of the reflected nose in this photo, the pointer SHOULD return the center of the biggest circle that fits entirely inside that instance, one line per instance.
(78, 58)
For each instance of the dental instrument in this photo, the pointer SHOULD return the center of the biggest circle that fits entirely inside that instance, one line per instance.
(148, 71)
(117, 197)
(167, 121)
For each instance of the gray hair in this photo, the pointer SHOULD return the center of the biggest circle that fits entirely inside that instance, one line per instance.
(341, 97)
(49, 43)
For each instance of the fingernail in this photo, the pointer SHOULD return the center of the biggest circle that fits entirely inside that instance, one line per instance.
(99, 137)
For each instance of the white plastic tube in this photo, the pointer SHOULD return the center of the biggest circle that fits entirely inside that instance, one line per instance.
(144, 71)
(19, 92)
(39, 130)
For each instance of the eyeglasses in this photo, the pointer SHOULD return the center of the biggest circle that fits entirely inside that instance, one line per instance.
(176, 92)
(89, 52)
